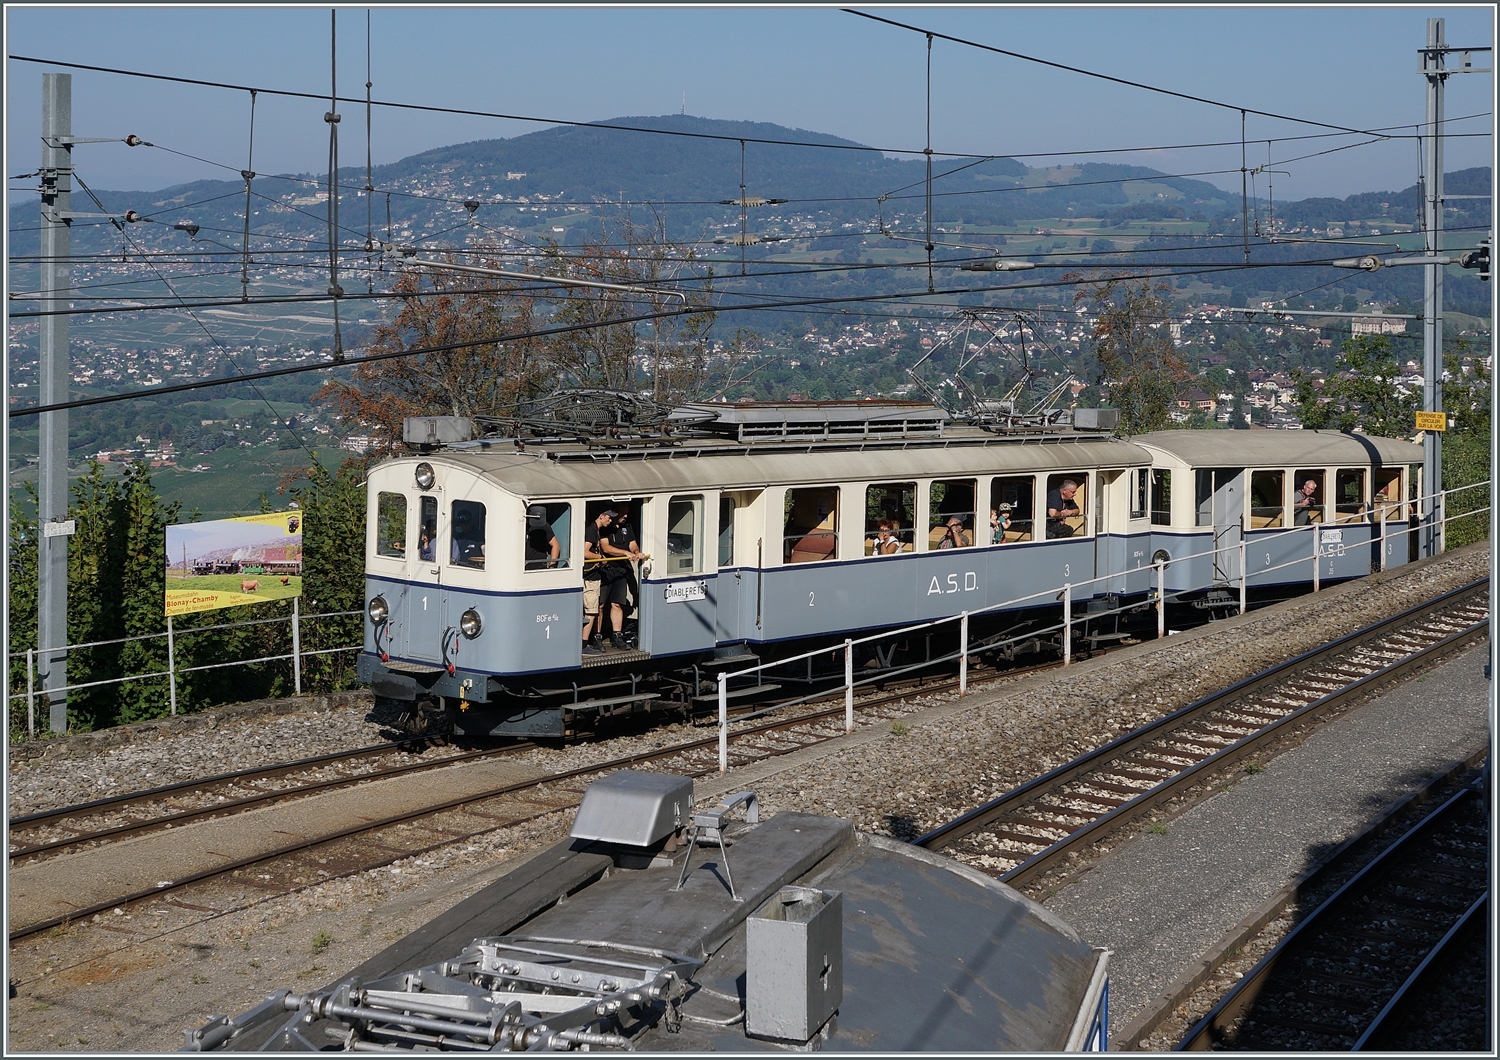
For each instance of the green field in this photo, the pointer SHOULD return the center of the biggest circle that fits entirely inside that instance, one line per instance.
(270, 587)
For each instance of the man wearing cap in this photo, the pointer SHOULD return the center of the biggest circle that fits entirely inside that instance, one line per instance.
(542, 547)
(953, 534)
(593, 578)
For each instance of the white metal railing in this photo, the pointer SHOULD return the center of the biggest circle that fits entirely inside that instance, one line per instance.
(173, 671)
(1065, 593)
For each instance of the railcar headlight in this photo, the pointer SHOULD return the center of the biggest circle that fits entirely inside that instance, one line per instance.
(469, 623)
(425, 476)
(379, 610)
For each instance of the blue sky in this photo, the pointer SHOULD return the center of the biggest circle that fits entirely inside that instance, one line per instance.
(812, 68)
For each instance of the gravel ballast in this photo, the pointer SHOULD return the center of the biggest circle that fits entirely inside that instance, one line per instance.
(119, 992)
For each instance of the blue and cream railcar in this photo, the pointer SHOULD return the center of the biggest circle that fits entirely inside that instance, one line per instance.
(1209, 490)
(750, 546)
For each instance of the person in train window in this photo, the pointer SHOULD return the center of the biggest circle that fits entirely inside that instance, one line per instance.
(619, 588)
(887, 542)
(999, 523)
(1304, 504)
(542, 546)
(424, 546)
(954, 535)
(1060, 506)
(467, 546)
(593, 579)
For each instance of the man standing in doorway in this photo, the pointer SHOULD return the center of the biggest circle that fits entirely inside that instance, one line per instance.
(593, 578)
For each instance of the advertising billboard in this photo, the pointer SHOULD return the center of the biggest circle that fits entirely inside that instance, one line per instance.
(231, 562)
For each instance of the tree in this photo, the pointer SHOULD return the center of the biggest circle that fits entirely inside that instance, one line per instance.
(21, 558)
(333, 576)
(143, 590)
(1134, 347)
(1466, 448)
(1362, 392)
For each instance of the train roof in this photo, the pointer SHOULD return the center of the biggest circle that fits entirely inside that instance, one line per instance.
(1280, 448)
(570, 471)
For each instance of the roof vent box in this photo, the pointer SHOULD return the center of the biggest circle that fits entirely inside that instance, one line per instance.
(428, 431)
(1096, 419)
(634, 809)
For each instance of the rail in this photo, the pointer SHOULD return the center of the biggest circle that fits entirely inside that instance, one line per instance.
(1064, 592)
(296, 655)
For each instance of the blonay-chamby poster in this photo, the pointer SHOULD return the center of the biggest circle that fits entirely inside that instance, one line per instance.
(229, 562)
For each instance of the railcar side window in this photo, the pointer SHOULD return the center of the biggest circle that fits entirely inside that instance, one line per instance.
(427, 530)
(890, 518)
(1140, 497)
(1349, 494)
(1388, 494)
(1267, 499)
(549, 533)
(1012, 510)
(1066, 503)
(726, 531)
(390, 525)
(951, 514)
(1307, 497)
(466, 535)
(1161, 496)
(684, 535)
(811, 533)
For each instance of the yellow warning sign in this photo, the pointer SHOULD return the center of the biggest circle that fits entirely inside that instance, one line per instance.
(1432, 421)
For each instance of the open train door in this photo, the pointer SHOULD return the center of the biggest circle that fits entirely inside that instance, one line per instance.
(1224, 509)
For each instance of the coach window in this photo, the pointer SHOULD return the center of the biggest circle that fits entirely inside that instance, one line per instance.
(1161, 496)
(726, 531)
(427, 530)
(1387, 494)
(1267, 499)
(466, 535)
(390, 525)
(1140, 497)
(811, 530)
(951, 514)
(1307, 497)
(1349, 494)
(1012, 509)
(549, 528)
(684, 536)
(1067, 497)
(890, 518)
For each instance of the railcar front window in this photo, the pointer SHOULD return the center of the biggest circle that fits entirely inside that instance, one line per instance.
(1349, 494)
(1012, 510)
(1161, 496)
(1307, 497)
(811, 530)
(684, 535)
(890, 518)
(1141, 495)
(548, 535)
(427, 530)
(466, 535)
(390, 525)
(1067, 502)
(726, 531)
(951, 514)
(1267, 499)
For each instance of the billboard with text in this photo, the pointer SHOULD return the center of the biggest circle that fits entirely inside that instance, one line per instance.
(230, 562)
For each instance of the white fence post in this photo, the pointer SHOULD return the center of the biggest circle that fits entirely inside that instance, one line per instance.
(31, 693)
(1244, 572)
(723, 724)
(172, 666)
(1067, 630)
(963, 655)
(296, 646)
(848, 685)
(1161, 599)
(1384, 546)
(1317, 536)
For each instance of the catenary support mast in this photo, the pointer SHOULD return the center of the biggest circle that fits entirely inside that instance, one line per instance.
(1432, 302)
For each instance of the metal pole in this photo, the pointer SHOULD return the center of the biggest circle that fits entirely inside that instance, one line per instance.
(52, 371)
(963, 655)
(1244, 573)
(1161, 600)
(1317, 536)
(296, 647)
(30, 693)
(172, 665)
(1067, 630)
(723, 724)
(848, 685)
(1432, 303)
(1384, 546)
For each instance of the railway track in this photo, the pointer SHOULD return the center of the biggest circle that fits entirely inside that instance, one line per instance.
(1039, 827)
(1353, 970)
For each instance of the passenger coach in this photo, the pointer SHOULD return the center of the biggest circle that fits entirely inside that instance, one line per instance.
(804, 525)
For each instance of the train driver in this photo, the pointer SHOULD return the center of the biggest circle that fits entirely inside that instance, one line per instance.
(1060, 506)
(542, 546)
(467, 546)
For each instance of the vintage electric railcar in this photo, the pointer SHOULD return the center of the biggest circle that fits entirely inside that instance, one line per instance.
(802, 525)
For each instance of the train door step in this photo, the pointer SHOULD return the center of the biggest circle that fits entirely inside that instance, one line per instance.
(731, 662)
(605, 707)
(735, 693)
(609, 658)
(400, 667)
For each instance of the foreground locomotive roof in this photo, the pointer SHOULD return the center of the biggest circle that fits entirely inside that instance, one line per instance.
(1280, 448)
(573, 470)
